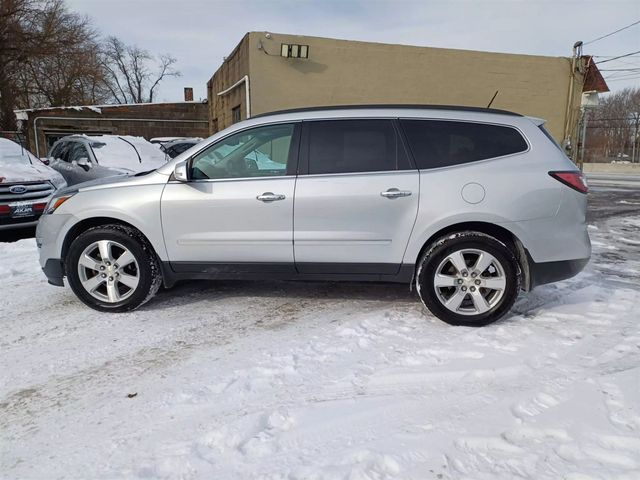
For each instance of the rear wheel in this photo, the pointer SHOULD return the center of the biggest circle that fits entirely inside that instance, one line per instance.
(112, 268)
(468, 278)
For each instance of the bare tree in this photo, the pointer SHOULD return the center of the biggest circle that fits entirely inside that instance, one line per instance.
(50, 56)
(131, 76)
(47, 57)
(614, 127)
(69, 73)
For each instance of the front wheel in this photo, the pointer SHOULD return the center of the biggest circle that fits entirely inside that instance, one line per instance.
(468, 278)
(112, 268)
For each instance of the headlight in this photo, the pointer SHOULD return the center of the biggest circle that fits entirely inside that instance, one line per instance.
(56, 201)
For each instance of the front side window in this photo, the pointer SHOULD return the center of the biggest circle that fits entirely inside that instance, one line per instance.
(442, 143)
(258, 152)
(350, 146)
(77, 152)
(61, 152)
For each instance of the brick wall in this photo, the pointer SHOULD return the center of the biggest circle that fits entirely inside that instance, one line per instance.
(184, 119)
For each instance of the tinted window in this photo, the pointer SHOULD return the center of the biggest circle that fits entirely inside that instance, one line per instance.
(443, 143)
(259, 152)
(178, 149)
(344, 146)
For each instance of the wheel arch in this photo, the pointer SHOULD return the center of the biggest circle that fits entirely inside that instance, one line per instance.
(498, 232)
(92, 222)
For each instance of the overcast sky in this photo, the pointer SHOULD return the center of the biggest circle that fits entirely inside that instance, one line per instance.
(200, 33)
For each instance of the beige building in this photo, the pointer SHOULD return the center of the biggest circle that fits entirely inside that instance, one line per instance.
(255, 78)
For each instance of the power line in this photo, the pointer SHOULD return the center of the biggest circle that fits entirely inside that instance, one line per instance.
(619, 56)
(621, 78)
(612, 33)
(619, 69)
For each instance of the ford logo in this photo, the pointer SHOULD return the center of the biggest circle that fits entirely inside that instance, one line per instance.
(18, 189)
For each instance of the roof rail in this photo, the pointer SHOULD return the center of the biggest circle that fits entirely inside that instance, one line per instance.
(391, 106)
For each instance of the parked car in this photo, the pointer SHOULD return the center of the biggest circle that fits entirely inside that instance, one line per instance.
(80, 158)
(467, 205)
(176, 147)
(26, 185)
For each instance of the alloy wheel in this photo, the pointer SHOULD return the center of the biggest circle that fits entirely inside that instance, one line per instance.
(470, 282)
(108, 271)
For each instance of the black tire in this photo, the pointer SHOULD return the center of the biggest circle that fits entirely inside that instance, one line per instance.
(147, 269)
(432, 259)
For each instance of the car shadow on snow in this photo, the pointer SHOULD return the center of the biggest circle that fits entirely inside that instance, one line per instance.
(189, 292)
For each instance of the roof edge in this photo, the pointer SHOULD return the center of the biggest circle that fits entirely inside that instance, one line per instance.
(459, 108)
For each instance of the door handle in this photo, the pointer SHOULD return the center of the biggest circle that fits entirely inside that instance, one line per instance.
(270, 197)
(395, 193)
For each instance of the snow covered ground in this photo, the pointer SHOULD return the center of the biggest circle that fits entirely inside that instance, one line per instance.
(234, 380)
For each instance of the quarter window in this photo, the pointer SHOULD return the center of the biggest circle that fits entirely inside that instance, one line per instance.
(345, 146)
(437, 143)
(259, 152)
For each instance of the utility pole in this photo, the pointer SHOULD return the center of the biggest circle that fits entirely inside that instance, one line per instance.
(583, 140)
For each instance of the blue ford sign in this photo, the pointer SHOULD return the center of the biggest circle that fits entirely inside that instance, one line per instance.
(18, 189)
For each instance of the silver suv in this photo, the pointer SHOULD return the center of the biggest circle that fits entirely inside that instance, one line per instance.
(469, 205)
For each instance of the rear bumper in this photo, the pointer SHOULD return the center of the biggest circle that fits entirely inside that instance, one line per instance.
(54, 271)
(549, 272)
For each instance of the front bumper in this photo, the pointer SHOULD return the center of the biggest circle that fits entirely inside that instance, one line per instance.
(50, 235)
(14, 225)
(549, 272)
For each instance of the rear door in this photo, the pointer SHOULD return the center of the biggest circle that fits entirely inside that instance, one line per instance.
(356, 198)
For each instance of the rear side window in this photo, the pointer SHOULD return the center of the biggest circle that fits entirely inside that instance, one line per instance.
(438, 143)
(349, 146)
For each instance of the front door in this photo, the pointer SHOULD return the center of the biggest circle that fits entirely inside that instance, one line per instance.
(357, 199)
(236, 211)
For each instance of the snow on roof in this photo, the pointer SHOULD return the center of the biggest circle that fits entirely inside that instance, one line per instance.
(98, 108)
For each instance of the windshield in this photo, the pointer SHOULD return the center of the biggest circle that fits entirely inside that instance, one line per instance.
(126, 152)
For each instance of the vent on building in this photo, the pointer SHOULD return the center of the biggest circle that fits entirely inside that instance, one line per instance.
(294, 51)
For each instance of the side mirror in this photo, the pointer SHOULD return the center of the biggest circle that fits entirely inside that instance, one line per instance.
(84, 163)
(180, 171)
(46, 160)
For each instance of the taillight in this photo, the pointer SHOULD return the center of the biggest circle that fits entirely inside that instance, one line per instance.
(5, 209)
(573, 178)
(39, 207)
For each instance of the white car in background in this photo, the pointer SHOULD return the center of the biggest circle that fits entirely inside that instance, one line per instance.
(80, 158)
(26, 185)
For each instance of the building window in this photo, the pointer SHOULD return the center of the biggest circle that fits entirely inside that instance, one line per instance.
(235, 114)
